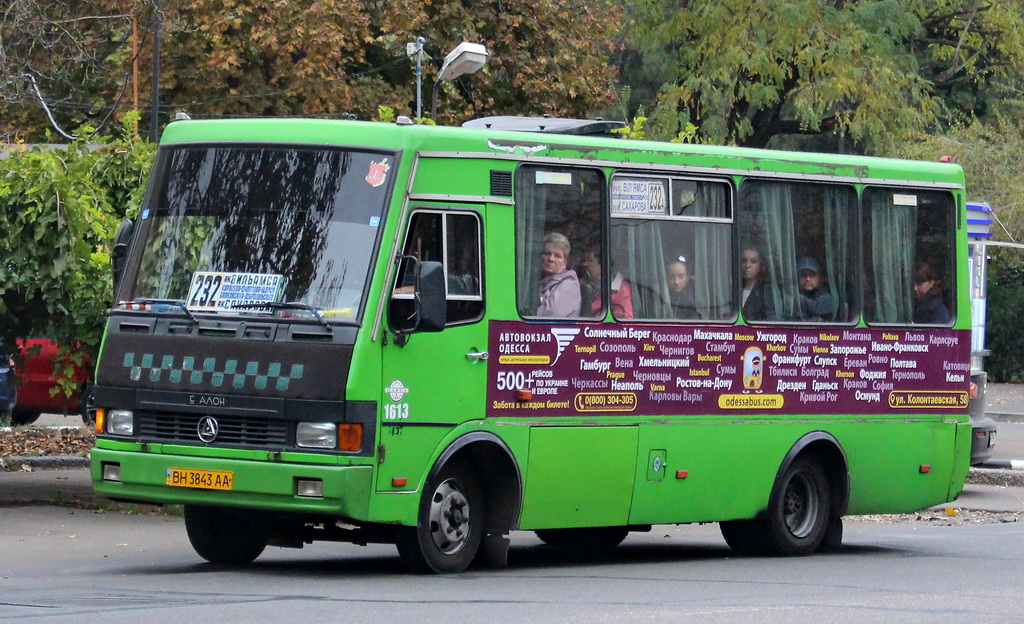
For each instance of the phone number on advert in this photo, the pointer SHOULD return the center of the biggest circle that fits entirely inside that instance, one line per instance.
(605, 402)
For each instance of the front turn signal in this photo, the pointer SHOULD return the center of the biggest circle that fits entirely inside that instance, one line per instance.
(350, 436)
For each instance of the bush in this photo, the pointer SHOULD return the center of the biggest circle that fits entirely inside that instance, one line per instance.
(59, 210)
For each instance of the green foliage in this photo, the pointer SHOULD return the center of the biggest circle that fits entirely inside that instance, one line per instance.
(634, 130)
(1002, 327)
(59, 209)
(746, 72)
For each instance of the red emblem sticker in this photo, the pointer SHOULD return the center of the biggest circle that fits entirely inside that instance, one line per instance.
(378, 173)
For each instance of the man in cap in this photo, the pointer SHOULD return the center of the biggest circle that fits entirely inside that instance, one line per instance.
(816, 302)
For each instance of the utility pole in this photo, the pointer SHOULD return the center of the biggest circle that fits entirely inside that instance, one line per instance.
(154, 110)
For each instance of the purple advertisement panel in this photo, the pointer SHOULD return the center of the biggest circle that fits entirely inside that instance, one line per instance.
(603, 368)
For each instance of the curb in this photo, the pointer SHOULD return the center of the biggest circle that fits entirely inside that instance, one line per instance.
(55, 462)
(1005, 417)
(1003, 464)
(983, 475)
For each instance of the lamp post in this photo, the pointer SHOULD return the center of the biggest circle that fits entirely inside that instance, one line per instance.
(416, 47)
(466, 58)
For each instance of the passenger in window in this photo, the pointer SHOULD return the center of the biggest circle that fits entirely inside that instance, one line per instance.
(622, 290)
(680, 289)
(757, 303)
(929, 307)
(816, 301)
(559, 287)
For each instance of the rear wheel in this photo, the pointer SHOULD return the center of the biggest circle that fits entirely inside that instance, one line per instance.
(797, 517)
(584, 540)
(224, 536)
(450, 526)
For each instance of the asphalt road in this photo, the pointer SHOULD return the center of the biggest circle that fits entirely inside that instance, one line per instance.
(62, 565)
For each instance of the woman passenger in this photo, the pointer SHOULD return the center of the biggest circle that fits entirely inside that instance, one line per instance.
(680, 289)
(559, 287)
(757, 303)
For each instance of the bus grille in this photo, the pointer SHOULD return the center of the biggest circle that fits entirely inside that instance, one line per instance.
(232, 430)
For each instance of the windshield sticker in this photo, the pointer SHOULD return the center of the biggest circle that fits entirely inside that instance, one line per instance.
(374, 221)
(223, 291)
(378, 173)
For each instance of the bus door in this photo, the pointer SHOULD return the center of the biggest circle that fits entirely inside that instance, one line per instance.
(433, 381)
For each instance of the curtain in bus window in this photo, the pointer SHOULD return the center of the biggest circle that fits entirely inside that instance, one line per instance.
(893, 249)
(713, 246)
(839, 205)
(638, 255)
(531, 212)
(779, 248)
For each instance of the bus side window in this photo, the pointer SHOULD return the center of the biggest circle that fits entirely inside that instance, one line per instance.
(559, 242)
(798, 241)
(671, 237)
(453, 239)
(908, 247)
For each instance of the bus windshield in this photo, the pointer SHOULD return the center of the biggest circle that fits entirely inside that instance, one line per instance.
(231, 226)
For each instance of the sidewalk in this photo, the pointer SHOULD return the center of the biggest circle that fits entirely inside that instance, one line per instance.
(1005, 402)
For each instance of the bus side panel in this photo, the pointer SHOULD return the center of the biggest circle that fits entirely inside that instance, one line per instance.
(898, 466)
(708, 471)
(725, 471)
(579, 476)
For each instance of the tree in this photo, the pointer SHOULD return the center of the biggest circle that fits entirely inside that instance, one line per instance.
(324, 58)
(59, 209)
(746, 73)
(74, 56)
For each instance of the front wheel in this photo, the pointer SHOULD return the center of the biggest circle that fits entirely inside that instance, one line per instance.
(450, 526)
(224, 536)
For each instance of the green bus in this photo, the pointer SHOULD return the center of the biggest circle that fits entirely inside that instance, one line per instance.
(433, 336)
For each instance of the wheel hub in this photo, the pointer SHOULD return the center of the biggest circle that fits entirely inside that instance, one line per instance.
(449, 517)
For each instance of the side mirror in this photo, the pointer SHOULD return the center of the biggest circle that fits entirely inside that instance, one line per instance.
(119, 252)
(431, 302)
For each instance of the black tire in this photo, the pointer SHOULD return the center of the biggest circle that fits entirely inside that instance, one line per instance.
(585, 540)
(224, 536)
(87, 405)
(451, 524)
(21, 417)
(798, 510)
(796, 520)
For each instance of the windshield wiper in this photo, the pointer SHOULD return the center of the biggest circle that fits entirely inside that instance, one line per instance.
(175, 303)
(291, 305)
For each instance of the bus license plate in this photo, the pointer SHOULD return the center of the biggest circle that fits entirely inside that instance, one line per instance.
(202, 479)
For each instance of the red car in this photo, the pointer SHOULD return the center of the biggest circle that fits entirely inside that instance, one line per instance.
(36, 393)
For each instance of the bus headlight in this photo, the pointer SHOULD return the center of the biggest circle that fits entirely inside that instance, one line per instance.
(316, 435)
(120, 423)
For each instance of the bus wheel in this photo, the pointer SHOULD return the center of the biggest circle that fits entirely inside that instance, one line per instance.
(224, 536)
(450, 527)
(798, 510)
(591, 539)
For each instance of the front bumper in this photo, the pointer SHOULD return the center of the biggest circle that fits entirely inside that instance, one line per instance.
(263, 485)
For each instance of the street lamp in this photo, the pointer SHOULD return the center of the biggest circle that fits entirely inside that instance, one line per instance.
(466, 58)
